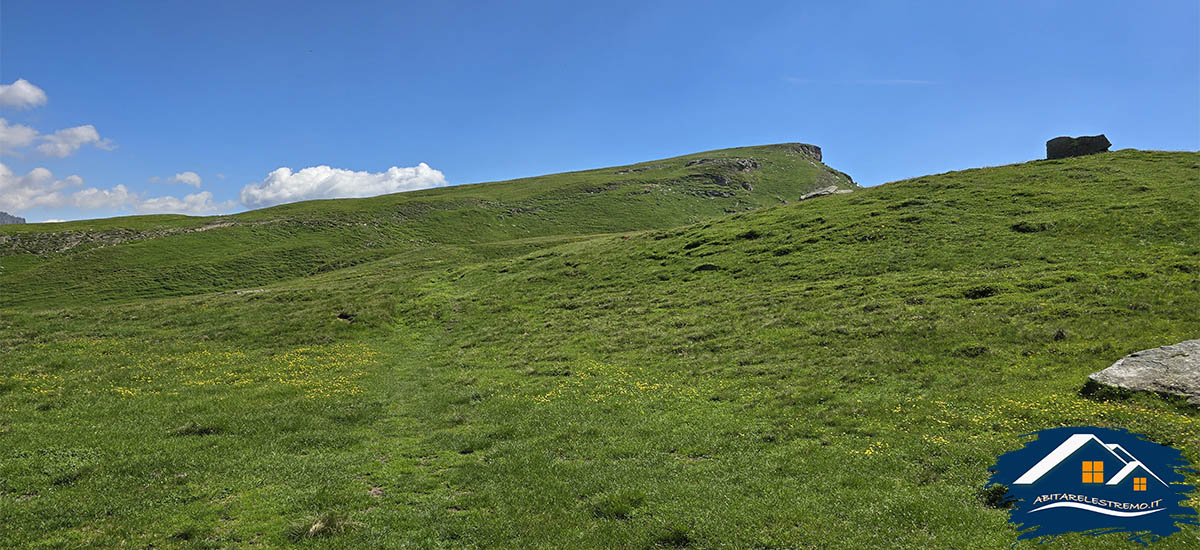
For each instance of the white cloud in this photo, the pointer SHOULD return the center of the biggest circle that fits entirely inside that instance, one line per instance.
(39, 188)
(21, 95)
(190, 178)
(15, 136)
(220, 175)
(67, 141)
(195, 204)
(323, 182)
(62, 143)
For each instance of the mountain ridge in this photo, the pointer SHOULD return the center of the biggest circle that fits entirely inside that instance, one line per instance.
(302, 238)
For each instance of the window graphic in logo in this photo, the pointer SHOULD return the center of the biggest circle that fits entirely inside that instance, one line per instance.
(1095, 481)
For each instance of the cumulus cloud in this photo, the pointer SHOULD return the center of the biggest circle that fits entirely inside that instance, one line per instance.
(195, 203)
(21, 95)
(39, 188)
(15, 136)
(323, 182)
(189, 177)
(67, 141)
(62, 143)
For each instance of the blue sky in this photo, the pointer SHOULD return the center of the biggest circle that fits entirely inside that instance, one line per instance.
(233, 92)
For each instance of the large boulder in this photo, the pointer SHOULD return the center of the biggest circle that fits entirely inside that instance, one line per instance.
(1063, 147)
(1173, 369)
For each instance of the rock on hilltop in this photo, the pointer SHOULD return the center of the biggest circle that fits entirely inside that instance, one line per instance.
(1064, 146)
(6, 218)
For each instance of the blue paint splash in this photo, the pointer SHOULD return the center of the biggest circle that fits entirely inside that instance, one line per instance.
(1065, 499)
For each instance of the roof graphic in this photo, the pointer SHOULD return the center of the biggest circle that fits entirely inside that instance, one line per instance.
(1076, 442)
(1120, 452)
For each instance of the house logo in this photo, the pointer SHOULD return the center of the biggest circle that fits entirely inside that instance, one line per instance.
(1095, 481)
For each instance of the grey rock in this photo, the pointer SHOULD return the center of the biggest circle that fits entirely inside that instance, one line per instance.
(744, 165)
(809, 150)
(1173, 369)
(6, 218)
(831, 190)
(638, 169)
(1063, 146)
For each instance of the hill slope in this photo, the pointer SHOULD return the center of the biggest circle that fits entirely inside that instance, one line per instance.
(49, 264)
(839, 372)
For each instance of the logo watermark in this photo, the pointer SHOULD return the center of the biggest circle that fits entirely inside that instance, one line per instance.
(1095, 481)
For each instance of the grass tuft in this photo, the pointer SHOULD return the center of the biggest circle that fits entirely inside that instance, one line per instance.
(993, 496)
(194, 428)
(324, 524)
(1031, 227)
(618, 504)
(674, 536)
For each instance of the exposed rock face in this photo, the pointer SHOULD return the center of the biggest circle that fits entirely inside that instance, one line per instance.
(806, 149)
(61, 241)
(6, 218)
(1173, 369)
(639, 169)
(831, 190)
(1063, 147)
(745, 165)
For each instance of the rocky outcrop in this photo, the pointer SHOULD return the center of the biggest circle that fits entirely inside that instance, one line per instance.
(1063, 147)
(62, 241)
(6, 218)
(805, 149)
(1173, 369)
(744, 165)
(638, 169)
(831, 190)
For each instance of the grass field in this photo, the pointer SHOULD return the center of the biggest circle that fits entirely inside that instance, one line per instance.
(659, 358)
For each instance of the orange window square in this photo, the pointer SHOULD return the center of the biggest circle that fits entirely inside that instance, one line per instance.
(1139, 484)
(1093, 471)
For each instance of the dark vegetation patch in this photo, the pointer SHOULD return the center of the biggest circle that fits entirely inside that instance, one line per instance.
(981, 291)
(195, 428)
(1031, 227)
(673, 536)
(970, 351)
(993, 496)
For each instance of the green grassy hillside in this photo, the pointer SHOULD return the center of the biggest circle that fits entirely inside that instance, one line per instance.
(71, 263)
(838, 372)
